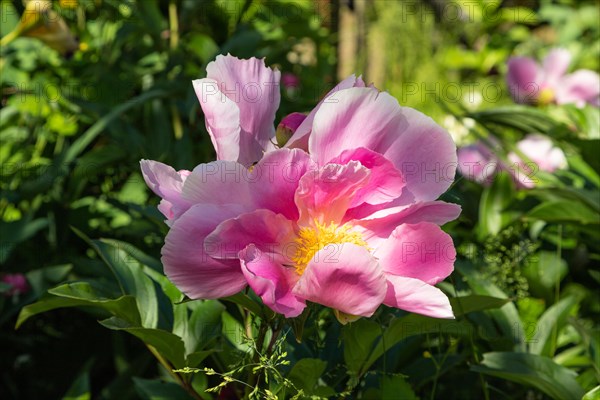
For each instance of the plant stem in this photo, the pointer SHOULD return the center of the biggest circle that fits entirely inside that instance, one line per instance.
(178, 378)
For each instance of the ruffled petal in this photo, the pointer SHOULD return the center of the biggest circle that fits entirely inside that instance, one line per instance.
(524, 79)
(378, 226)
(274, 180)
(219, 182)
(222, 118)
(240, 99)
(345, 277)
(364, 117)
(326, 194)
(167, 183)
(385, 182)
(416, 296)
(300, 137)
(271, 281)
(186, 264)
(271, 233)
(422, 251)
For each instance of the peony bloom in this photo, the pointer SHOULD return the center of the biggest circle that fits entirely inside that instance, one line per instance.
(351, 224)
(479, 163)
(542, 155)
(18, 282)
(529, 82)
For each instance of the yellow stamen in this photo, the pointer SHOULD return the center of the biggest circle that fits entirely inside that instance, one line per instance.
(546, 96)
(312, 239)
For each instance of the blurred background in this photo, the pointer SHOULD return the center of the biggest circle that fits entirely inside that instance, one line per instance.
(90, 87)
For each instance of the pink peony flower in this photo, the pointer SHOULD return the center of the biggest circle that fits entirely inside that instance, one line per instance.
(529, 82)
(18, 282)
(542, 155)
(479, 163)
(351, 224)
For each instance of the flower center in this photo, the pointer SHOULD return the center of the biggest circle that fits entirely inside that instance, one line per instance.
(312, 239)
(546, 96)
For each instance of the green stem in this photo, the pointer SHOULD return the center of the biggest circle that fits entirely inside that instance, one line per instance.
(174, 23)
(167, 365)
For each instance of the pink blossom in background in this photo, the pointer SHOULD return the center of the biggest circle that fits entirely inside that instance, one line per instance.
(347, 218)
(289, 80)
(530, 82)
(540, 151)
(18, 282)
(478, 162)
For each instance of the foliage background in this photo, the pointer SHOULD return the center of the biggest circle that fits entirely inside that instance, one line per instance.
(73, 130)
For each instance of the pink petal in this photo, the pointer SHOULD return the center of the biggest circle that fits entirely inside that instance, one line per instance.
(555, 65)
(301, 135)
(422, 251)
(363, 117)
(580, 87)
(166, 183)
(218, 182)
(385, 182)
(477, 163)
(274, 180)
(222, 117)
(523, 79)
(345, 277)
(187, 265)
(272, 282)
(269, 232)
(326, 194)
(540, 149)
(253, 89)
(416, 296)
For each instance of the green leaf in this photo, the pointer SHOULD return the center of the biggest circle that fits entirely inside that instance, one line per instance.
(160, 390)
(80, 388)
(544, 274)
(81, 294)
(564, 211)
(593, 394)
(131, 278)
(13, 233)
(532, 370)
(494, 200)
(359, 338)
(550, 323)
(411, 325)
(523, 118)
(396, 387)
(245, 301)
(468, 304)
(506, 317)
(166, 343)
(306, 372)
(88, 136)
